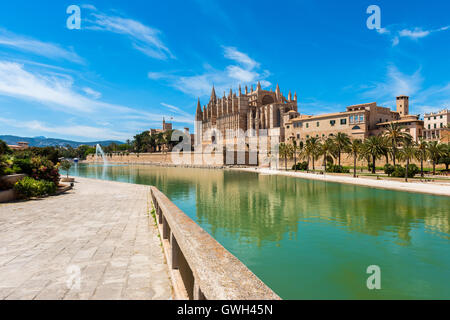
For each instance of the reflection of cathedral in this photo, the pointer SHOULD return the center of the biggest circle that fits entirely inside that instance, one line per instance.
(254, 109)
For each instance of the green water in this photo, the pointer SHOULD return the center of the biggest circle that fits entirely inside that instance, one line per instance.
(311, 239)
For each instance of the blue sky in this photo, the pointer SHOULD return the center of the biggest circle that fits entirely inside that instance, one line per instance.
(133, 62)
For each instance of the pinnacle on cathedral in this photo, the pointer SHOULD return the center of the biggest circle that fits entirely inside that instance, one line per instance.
(258, 87)
(199, 107)
(213, 94)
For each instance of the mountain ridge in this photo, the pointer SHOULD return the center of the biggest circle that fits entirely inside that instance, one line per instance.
(52, 142)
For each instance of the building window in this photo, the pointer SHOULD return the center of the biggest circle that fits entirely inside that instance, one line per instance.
(298, 135)
(361, 118)
(356, 128)
(435, 126)
(332, 122)
(351, 119)
(317, 123)
(307, 136)
(288, 127)
(429, 126)
(442, 125)
(343, 121)
(441, 116)
(307, 125)
(434, 117)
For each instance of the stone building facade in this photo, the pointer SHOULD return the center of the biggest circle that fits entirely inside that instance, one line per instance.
(250, 109)
(358, 121)
(436, 125)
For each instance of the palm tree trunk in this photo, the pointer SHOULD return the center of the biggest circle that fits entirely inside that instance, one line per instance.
(434, 168)
(325, 161)
(406, 171)
(285, 162)
(421, 167)
(368, 163)
(339, 157)
(295, 161)
(314, 168)
(373, 161)
(393, 154)
(354, 165)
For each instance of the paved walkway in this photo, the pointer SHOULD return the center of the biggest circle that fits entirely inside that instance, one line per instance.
(437, 188)
(94, 242)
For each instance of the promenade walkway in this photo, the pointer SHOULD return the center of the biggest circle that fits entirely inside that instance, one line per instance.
(98, 241)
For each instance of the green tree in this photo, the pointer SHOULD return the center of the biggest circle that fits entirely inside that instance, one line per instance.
(435, 151)
(327, 149)
(4, 149)
(394, 135)
(373, 147)
(407, 153)
(312, 149)
(342, 142)
(355, 148)
(285, 151)
(421, 153)
(445, 157)
(66, 165)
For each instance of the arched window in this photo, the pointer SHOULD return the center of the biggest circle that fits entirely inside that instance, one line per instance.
(267, 100)
(356, 128)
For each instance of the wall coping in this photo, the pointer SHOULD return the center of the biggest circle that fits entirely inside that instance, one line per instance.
(217, 273)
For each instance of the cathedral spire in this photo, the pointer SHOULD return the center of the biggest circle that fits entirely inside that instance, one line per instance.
(246, 89)
(258, 87)
(290, 96)
(278, 92)
(240, 90)
(295, 96)
(213, 94)
(198, 114)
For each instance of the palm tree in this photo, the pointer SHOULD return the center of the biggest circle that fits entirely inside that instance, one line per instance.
(285, 152)
(407, 152)
(312, 149)
(326, 149)
(435, 150)
(341, 141)
(421, 153)
(373, 147)
(294, 150)
(354, 148)
(395, 135)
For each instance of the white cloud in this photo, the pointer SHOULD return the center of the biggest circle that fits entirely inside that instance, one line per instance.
(89, 7)
(59, 93)
(412, 34)
(91, 92)
(244, 70)
(79, 131)
(422, 99)
(144, 38)
(46, 49)
(396, 83)
(233, 54)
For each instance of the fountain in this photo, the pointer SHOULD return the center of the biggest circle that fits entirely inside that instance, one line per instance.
(98, 150)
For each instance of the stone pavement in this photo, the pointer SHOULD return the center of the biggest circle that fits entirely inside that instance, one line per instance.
(97, 241)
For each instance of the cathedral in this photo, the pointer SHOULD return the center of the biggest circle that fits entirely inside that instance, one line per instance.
(254, 109)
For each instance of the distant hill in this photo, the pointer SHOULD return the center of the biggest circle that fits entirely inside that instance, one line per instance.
(52, 142)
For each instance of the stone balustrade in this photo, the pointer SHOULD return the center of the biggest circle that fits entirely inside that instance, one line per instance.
(201, 268)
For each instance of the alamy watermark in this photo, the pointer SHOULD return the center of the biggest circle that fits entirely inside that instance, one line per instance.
(74, 20)
(374, 280)
(374, 20)
(73, 281)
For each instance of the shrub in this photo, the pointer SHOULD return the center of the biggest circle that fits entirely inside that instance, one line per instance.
(24, 164)
(334, 168)
(399, 171)
(388, 169)
(29, 187)
(303, 166)
(43, 169)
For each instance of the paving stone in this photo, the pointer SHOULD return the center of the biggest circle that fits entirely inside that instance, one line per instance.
(99, 233)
